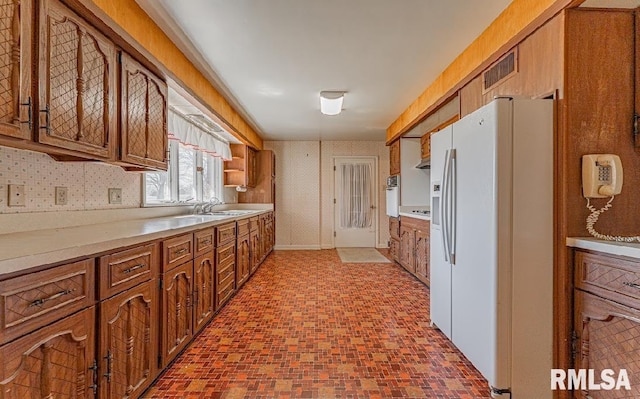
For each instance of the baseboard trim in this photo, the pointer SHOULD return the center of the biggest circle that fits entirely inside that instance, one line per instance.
(297, 247)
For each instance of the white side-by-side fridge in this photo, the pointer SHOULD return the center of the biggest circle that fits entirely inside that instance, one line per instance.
(492, 242)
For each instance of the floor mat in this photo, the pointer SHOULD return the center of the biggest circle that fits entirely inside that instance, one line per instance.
(361, 255)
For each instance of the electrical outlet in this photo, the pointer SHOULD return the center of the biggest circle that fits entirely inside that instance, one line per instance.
(115, 196)
(61, 196)
(16, 195)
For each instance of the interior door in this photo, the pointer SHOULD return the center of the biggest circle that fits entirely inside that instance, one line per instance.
(356, 202)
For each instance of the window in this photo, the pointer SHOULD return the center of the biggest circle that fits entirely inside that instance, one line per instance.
(193, 176)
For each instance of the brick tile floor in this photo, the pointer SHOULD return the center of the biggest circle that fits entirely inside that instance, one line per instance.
(308, 326)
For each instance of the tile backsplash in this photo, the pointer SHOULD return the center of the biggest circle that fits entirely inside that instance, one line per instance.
(87, 183)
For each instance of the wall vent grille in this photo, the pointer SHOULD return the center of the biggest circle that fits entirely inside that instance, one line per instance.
(500, 71)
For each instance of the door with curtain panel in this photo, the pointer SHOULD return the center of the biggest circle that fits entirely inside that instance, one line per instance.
(356, 202)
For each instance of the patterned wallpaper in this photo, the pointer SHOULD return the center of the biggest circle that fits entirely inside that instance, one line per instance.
(297, 193)
(304, 189)
(87, 182)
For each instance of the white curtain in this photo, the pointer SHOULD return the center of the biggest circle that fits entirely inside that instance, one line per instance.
(356, 196)
(192, 135)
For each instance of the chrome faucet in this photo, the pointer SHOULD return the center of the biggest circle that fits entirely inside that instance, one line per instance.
(206, 207)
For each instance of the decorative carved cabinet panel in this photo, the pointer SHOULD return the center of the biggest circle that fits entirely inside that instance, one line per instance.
(254, 242)
(271, 236)
(55, 361)
(394, 158)
(128, 342)
(203, 289)
(77, 84)
(394, 249)
(16, 104)
(176, 316)
(244, 260)
(425, 146)
(143, 106)
(608, 338)
(407, 248)
(422, 255)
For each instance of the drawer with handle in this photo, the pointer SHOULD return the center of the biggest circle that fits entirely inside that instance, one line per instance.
(226, 253)
(254, 223)
(224, 273)
(225, 233)
(176, 251)
(607, 276)
(224, 293)
(34, 300)
(243, 227)
(203, 241)
(122, 270)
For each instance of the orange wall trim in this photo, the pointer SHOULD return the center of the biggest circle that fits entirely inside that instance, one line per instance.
(516, 18)
(133, 20)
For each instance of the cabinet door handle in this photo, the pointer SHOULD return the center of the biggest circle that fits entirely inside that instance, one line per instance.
(632, 285)
(206, 242)
(30, 112)
(47, 115)
(109, 357)
(94, 377)
(132, 268)
(42, 301)
(181, 251)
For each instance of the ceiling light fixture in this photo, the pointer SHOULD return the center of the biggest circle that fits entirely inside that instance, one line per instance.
(331, 102)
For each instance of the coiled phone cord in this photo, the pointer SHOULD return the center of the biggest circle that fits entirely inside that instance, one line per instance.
(593, 218)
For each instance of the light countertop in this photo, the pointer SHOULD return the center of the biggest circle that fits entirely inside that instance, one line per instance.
(631, 250)
(406, 211)
(24, 250)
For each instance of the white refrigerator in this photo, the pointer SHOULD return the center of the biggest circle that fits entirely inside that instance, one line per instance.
(492, 242)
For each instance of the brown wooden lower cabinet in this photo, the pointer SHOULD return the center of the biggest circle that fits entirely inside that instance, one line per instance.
(255, 252)
(394, 249)
(128, 339)
(407, 248)
(607, 320)
(56, 361)
(176, 316)
(203, 290)
(413, 249)
(422, 255)
(243, 260)
(148, 310)
(225, 263)
(608, 336)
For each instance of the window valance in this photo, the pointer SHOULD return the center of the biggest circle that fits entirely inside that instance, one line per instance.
(188, 133)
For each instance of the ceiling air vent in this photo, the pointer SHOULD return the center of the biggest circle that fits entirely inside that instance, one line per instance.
(500, 71)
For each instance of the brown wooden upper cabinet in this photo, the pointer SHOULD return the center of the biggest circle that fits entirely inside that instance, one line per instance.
(394, 158)
(143, 113)
(16, 104)
(77, 84)
(241, 170)
(425, 146)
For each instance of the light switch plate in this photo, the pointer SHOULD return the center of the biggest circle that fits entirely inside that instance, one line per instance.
(17, 196)
(115, 196)
(61, 195)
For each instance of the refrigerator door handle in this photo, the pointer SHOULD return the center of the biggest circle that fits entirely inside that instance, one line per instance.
(451, 185)
(443, 207)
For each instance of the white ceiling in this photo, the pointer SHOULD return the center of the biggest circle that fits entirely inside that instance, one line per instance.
(272, 58)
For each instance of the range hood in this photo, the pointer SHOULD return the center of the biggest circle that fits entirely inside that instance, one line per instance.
(424, 164)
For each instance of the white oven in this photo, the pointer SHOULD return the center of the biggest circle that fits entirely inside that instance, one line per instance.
(393, 195)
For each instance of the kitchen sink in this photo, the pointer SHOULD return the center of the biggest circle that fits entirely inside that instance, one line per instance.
(230, 213)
